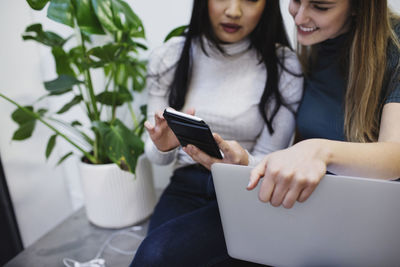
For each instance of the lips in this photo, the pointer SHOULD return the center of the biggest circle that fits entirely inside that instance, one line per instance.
(230, 27)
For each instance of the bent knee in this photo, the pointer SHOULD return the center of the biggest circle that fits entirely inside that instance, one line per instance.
(154, 252)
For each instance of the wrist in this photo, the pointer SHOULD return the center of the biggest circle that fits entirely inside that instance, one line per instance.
(245, 158)
(320, 149)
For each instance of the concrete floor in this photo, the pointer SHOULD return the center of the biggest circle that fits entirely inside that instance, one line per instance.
(77, 239)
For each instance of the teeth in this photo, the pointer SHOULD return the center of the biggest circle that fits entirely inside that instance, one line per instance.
(305, 29)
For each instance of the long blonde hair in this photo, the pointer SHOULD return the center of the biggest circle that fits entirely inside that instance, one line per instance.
(372, 30)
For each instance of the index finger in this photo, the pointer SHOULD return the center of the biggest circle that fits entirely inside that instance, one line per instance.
(257, 173)
(159, 118)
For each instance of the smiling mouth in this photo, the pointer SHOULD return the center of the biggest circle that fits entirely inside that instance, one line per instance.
(230, 27)
(307, 29)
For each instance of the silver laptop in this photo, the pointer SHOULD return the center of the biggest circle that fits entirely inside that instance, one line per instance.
(347, 221)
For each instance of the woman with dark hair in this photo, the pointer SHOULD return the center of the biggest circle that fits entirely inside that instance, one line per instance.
(348, 120)
(234, 68)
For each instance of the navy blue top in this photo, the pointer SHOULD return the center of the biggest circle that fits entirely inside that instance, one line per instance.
(321, 111)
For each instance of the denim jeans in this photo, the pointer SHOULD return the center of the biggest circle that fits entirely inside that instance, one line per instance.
(185, 228)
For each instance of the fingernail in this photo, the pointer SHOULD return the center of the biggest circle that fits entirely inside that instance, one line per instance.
(249, 184)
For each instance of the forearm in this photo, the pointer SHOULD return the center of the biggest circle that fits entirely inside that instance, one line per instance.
(158, 157)
(371, 160)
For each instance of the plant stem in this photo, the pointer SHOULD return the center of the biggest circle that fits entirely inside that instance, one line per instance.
(89, 82)
(106, 89)
(113, 106)
(86, 103)
(35, 115)
(134, 118)
(91, 94)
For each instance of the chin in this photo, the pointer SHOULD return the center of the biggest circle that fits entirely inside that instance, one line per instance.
(307, 41)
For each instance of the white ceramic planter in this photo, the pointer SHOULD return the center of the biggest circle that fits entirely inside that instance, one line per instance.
(115, 198)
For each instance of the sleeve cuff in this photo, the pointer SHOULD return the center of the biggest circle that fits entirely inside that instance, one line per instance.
(254, 160)
(159, 157)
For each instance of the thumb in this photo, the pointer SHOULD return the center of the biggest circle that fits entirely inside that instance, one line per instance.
(190, 111)
(222, 144)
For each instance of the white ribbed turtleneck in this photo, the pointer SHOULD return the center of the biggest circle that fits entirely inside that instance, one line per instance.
(225, 91)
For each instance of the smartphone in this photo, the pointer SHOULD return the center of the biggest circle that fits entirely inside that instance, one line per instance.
(192, 130)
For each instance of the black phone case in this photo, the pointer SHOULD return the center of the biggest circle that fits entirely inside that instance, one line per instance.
(193, 132)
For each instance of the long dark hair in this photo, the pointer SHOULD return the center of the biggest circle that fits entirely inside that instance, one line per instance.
(269, 32)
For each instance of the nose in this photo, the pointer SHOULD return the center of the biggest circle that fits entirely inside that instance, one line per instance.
(301, 15)
(234, 9)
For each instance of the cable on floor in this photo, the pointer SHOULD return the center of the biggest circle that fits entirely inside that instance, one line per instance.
(97, 261)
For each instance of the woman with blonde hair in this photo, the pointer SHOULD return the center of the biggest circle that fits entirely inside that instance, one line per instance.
(348, 120)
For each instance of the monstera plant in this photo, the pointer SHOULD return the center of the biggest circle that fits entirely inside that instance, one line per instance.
(97, 134)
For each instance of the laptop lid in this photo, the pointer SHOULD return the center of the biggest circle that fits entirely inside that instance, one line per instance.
(347, 221)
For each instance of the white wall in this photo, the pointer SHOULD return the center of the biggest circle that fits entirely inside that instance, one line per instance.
(38, 190)
(44, 195)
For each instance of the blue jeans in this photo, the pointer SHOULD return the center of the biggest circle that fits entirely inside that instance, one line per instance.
(185, 228)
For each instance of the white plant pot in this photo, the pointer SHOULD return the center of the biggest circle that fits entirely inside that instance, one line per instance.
(116, 198)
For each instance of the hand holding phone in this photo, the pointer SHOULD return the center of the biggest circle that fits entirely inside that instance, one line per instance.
(233, 153)
(192, 130)
(160, 133)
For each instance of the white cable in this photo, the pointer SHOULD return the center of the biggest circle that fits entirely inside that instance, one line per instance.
(91, 263)
(99, 262)
(126, 252)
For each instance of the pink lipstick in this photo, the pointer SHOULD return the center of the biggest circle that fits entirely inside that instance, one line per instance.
(230, 27)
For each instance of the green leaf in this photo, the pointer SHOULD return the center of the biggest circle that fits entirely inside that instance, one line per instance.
(61, 11)
(143, 110)
(126, 20)
(62, 61)
(104, 13)
(61, 85)
(142, 46)
(24, 131)
(22, 117)
(25, 121)
(76, 123)
(140, 127)
(35, 32)
(87, 138)
(115, 98)
(76, 57)
(86, 17)
(122, 146)
(179, 31)
(37, 4)
(42, 111)
(117, 16)
(107, 53)
(50, 145)
(76, 100)
(136, 70)
(64, 158)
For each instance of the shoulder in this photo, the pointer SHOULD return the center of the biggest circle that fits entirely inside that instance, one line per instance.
(291, 79)
(165, 56)
(396, 27)
(393, 51)
(288, 58)
(393, 67)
